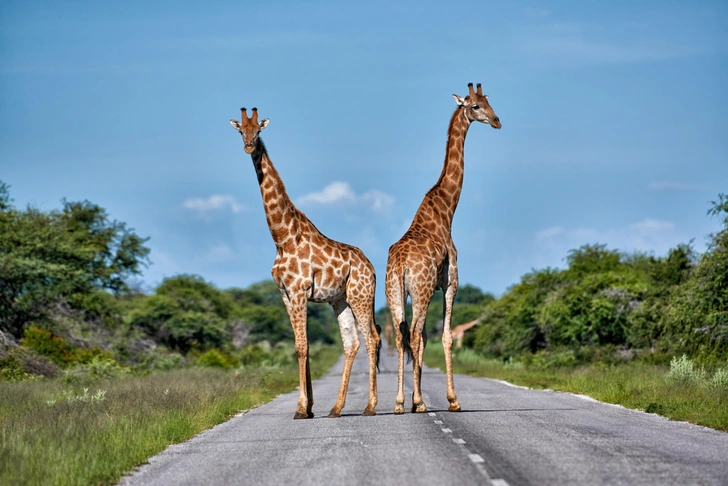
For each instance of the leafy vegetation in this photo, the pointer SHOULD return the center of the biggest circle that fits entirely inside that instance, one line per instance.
(684, 391)
(468, 306)
(92, 432)
(642, 331)
(607, 305)
(66, 304)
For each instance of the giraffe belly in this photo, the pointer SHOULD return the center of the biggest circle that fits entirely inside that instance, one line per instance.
(327, 294)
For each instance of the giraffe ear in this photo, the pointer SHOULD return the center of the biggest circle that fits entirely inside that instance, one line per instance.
(264, 123)
(236, 124)
(459, 100)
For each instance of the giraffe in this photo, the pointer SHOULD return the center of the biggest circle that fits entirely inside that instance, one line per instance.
(425, 258)
(311, 267)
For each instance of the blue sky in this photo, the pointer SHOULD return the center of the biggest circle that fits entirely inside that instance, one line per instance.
(614, 126)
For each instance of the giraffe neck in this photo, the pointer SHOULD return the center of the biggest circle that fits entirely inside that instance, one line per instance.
(280, 213)
(446, 191)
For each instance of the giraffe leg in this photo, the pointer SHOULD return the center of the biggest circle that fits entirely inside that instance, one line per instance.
(296, 307)
(419, 311)
(350, 339)
(363, 313)
(395, 299)
(450, 292)
(421, 298)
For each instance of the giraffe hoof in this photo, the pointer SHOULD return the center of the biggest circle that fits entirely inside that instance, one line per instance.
(399, 409)
(300, 416)
(333, 414)
(421, 408)
(454, 407)
(369, 413)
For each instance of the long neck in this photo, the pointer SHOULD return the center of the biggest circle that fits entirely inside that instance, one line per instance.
(444, 196)
(280, 213)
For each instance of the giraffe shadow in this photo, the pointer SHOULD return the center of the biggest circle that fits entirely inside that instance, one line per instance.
(496, 410)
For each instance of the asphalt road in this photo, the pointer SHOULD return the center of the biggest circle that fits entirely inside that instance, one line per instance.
(505, 435)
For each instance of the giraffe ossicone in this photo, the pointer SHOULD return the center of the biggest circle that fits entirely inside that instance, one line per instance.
(425, 258)
(311, 267)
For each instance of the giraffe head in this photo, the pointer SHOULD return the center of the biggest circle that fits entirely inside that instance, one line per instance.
(477, 107)
(250, 128)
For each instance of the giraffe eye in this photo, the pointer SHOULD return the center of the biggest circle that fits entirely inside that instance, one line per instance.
(476, 107)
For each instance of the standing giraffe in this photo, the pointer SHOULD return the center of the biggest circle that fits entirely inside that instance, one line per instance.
(425, 258)
(311, 267)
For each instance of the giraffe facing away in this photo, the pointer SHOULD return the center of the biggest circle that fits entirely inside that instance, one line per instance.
(425, 258)
(311, 267)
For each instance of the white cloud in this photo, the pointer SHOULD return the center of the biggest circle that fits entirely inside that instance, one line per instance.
(219, 253)
(339, 192)
(378, 200)
(649, 235)
(216, 202)
(333, 193)
(677, 186)
(549, 233)
(649, 226)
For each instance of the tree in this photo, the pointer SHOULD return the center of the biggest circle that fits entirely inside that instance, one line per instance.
(186, 313)
(57, 257)
(697, 317)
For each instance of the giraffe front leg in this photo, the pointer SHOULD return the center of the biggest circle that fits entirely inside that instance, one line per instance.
(296, 307)
(447, 340)
(350, 340)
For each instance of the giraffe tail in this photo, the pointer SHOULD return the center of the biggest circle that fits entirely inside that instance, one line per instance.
(377, 326)
(404, 329)
(379, 344)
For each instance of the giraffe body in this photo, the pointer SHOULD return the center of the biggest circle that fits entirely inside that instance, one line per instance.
(425, 258)
(311, 267)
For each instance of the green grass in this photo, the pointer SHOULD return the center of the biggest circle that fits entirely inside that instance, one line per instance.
(56, 433)
(676, 392)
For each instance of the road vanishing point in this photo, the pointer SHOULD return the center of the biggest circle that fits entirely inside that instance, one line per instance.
(505, 435)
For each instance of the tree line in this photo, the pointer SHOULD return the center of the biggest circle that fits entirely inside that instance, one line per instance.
(66, 291)
(608, 304)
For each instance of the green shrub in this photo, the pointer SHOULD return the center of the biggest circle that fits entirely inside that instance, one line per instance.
(684, 371)
(162, 361)
(18, 363)
(720, 379)
(47, 344)
(546, 360)
(98, 368)
(214, 358)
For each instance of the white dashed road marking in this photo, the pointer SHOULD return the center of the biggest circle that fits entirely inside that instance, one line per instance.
(476, 458)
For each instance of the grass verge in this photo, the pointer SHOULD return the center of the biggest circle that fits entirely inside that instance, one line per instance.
(669, 391)
(61, 434)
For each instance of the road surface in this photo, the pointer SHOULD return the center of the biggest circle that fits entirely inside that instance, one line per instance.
(505, 435)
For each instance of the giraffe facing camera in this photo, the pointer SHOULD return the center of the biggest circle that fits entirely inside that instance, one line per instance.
(311, 267)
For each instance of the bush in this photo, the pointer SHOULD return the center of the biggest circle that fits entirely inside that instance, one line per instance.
(546, 360)
(18, 363)
(58, 349)
(720, 379)
(214, 358)
(98, 368)
(683, 371)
